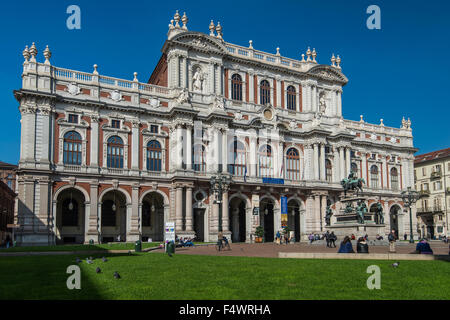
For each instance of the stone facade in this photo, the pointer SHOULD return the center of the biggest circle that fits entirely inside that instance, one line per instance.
(8, 174)
(105, 158)
(432, 180)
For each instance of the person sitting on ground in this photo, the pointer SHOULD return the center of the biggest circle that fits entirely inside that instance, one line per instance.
(423, 247)
(189, 243)
(362, 246)
(353, 237)
(366, 237)
(346, 246)
(311, 238)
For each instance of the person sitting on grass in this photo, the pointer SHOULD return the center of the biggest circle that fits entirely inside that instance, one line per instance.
(423, 247)
(362, 246)
(346, 246)
(189, 243)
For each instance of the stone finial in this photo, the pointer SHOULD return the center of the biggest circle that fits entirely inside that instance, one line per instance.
(308, 54)
(47, 55)
(303, 57)
(176, 18)
(408, 123)
(211, 29)
(95, 69)
(171, 25)
(250, 44)
(278, 51)
(33, 52)
(185, 20)
(314, 55)
(361, 118)
(26, 54)
(333, 61)
(135, 77)
(403, 123)
(338, 62)
(381, 123)
(219, 30)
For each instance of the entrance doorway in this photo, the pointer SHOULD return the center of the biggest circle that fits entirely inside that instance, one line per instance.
(294, 218)
(199, 224)
(267, 219)
(237, 220)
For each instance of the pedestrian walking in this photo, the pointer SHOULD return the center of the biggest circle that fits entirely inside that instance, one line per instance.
(327, 238)
(391, 239)
(333, 238)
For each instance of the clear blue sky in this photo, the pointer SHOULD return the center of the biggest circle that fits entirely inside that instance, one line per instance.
(401, 70)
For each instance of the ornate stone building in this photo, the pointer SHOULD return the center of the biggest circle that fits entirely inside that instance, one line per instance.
(432, 179)
(103, 157)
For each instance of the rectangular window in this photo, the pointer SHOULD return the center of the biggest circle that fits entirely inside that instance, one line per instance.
(425, 186)
(153, 129)
(438, 168)
(438, 185)
(115, 124)
(73, 118)
(424, 171)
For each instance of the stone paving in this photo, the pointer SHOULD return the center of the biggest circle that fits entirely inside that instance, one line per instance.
(271, 249)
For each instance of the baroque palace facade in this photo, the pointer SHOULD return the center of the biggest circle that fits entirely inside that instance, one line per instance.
(103, 158)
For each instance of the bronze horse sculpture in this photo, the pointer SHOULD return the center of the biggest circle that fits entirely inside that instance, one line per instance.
(352, 184)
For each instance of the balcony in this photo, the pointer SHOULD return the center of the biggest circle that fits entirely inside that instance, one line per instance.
(435, 175)
(430, 210)
(424, 193)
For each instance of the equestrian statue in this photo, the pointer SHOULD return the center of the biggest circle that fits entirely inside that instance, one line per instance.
(352, 183)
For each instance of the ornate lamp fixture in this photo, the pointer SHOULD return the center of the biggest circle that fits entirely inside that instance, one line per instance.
(410, 197)
(71, 202)
(113, 207)
(219, 184)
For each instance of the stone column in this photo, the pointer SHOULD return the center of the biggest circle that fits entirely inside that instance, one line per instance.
(253, 157)
(309, 219)
(317, 213)
(179, 148)
(347, 161)
(44, 206)
(363, 167)
(314, 99)
(189, 215)
(94, 141)
(341, 162)
(188, 153)
(316, 161)
(179, 208)
(303, 97)
(385, 173)
(46, 138)
(135, 146)
(225, 214)
(224, 156)
(323, 212)
(336, 173)
(322, 162)
(133, 234)
(308, 171)
(281, 162)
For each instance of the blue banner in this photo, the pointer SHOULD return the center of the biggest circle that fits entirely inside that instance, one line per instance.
(273, 181)
(284, 205)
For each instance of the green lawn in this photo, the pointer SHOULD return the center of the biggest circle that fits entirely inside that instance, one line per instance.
(157, 276)
(81, 247)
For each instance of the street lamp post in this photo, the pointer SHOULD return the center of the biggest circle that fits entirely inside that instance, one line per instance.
(410, 197)
(219, 184)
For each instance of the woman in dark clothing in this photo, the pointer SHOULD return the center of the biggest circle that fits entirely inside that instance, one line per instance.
(346, 246)
(362, 246)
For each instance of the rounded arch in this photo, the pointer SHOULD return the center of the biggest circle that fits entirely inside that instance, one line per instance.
(395, 204)
(119, 189)
(162, 193)
(64, 131)
(69, 186)
(299, 201)
(271, 197)
(242, 197)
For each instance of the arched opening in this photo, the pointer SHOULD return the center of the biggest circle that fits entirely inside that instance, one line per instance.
(374, 177)
(291, 98)
(152, 217)
(70, 213)
(393, 218)
(72, 148)
(292, 164)
(236, 87)
(237, 165)
(238, 219)
(394, 179)
(294, 218)
(265, 161)
(264, 92)
(154, 156)
(267, 219)
(115, 152)
(113, 217)
(373, 211)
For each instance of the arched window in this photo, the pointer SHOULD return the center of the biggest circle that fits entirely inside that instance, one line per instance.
(374, 176)
(199, 161)
(69, 213)
(291, 98)
(292, 164)
(355, 169)
(265, 161)
(394, 179)
(238, 165)
(328, 170)
(146, 214)
(72, 148)
(115, 152)
(108, 214)
(154, 156)
(236, 87)
(264, 92)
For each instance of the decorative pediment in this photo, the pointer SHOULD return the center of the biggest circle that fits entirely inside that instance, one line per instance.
(328, 73)
(200, 42)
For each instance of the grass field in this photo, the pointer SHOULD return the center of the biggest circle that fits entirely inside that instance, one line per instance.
(80, 247)
(157, 276)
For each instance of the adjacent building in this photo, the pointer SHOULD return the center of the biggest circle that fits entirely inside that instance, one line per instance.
(8, 174)
(105, 158)
(7, 202)
(432, 179)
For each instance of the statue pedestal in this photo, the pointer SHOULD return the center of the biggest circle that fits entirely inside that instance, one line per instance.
(347, 224)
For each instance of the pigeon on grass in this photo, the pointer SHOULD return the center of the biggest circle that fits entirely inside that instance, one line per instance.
(98, 270)
(104, 259)
(88, 261)
(395, 264)
(77, 260)
(116, 275)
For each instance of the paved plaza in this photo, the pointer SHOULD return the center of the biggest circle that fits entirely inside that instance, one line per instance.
(271, 250)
